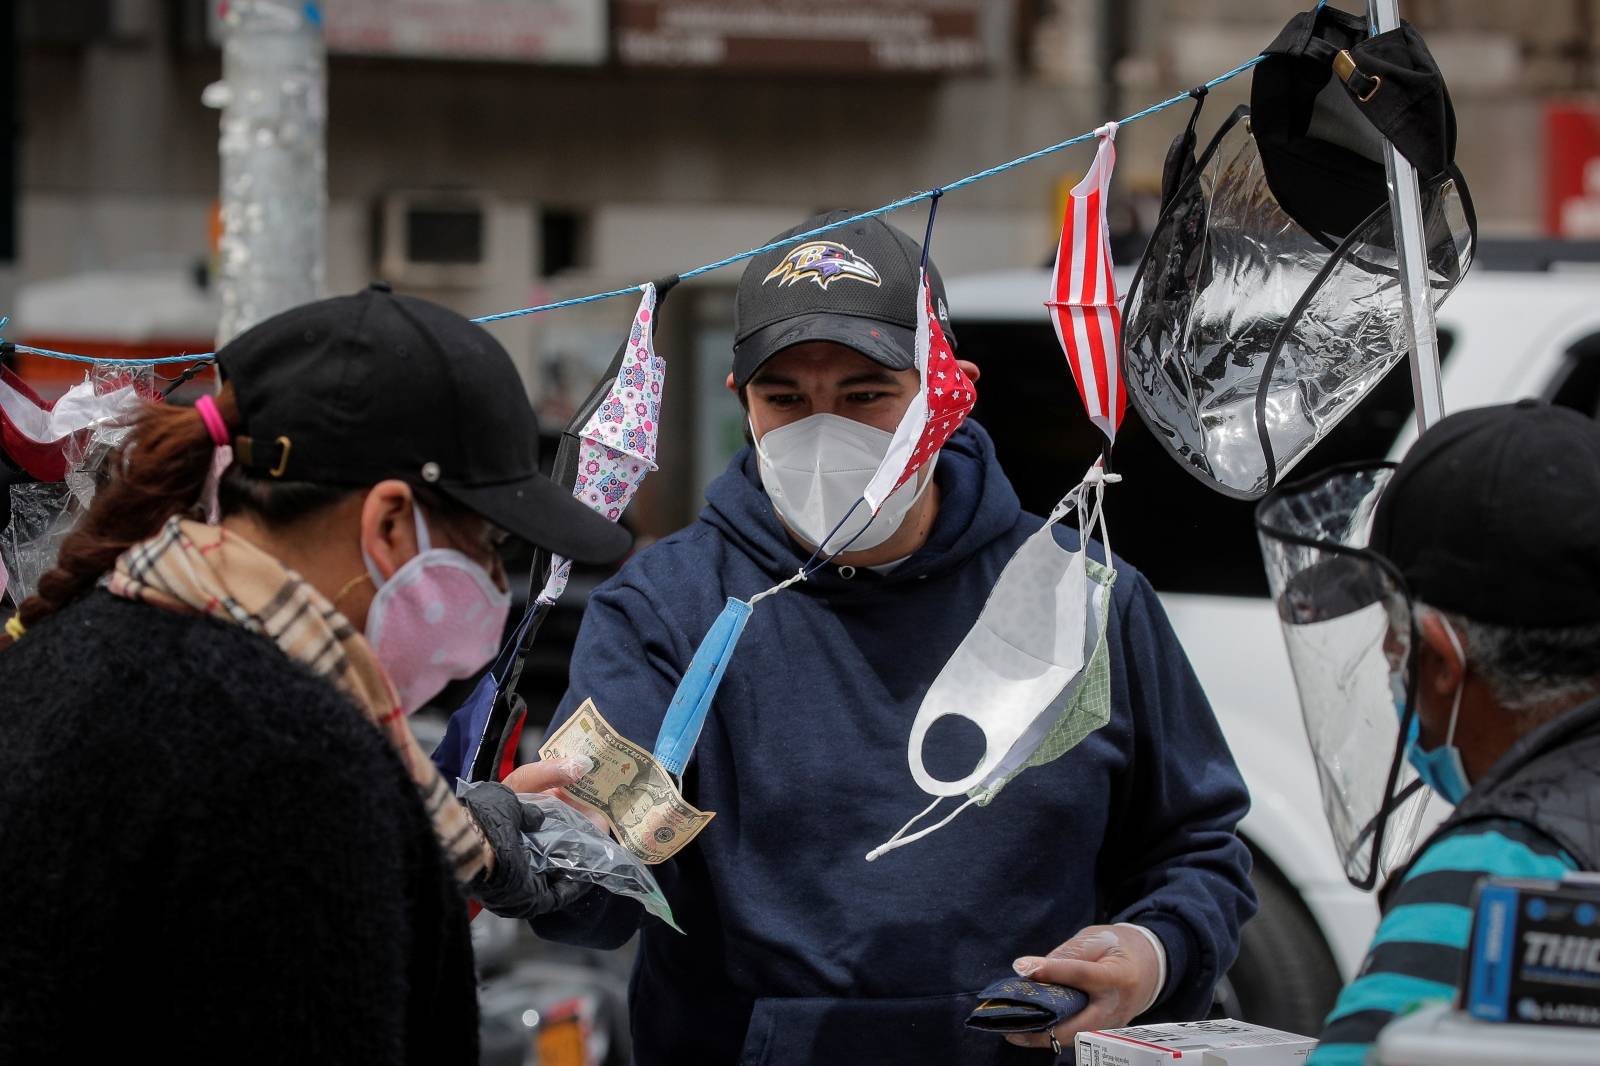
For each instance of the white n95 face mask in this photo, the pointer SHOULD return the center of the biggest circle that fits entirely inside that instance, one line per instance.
(815, 471)
(1033, 672)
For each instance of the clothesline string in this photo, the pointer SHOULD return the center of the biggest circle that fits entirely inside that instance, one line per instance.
(888, 208)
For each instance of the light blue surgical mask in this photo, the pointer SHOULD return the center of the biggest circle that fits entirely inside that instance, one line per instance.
(1441, 768)
(691, 702)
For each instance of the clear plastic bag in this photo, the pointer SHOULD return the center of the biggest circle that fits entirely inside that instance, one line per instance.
(41, 517)
(93, 418)
(1247, 338)
(114, 395)
(569, 844)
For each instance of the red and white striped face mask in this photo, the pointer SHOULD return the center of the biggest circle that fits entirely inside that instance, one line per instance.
(1083, 295)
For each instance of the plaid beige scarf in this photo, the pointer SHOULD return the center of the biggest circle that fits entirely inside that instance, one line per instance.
(189, 566)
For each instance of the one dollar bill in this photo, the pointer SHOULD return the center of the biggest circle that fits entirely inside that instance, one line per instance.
(637, 797)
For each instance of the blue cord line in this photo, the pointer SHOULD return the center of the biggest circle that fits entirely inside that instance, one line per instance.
(28, 349)
(903, 202)
(889, 208)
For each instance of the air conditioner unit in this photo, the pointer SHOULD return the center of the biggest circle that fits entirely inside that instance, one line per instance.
(433, 239)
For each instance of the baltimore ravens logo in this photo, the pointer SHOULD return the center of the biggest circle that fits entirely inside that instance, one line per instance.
(824, 262)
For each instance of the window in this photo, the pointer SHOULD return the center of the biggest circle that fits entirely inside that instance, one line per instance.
(1183, 536)
(1577, 385)
(443, 235)
(563, 241)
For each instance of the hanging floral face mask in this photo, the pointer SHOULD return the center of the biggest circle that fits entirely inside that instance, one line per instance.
(437, 619)
(1032, 674)
(605, 454)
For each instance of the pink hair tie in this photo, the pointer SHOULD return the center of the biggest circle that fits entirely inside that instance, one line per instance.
(221, 456)
(212, 417)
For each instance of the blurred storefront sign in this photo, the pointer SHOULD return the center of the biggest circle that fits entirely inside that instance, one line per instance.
(515, 31)
(802, 36)
(1572, 170)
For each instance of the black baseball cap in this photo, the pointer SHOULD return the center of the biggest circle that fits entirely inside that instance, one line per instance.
(1323, 100)
(356, 389)
(855, 285)
(1495, 514)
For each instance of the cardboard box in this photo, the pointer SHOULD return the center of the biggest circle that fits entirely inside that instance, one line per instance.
(1220, 1042)
(1535, 954)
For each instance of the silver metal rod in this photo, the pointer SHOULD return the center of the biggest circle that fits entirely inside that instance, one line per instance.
(273, 96)
(1411, 255)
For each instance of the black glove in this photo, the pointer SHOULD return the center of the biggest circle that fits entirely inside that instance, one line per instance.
(513, 890)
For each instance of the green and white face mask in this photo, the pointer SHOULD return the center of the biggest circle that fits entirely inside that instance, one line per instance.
(1033, 672)
(1083, 707)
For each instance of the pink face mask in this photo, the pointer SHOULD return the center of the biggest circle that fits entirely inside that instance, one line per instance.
(439, 618)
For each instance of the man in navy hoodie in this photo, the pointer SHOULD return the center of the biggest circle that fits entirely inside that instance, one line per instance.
(1114, 869)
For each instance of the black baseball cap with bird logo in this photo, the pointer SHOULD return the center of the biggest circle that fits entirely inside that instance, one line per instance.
(855, 284)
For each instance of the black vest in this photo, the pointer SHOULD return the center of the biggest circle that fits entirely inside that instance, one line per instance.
(1550, 780)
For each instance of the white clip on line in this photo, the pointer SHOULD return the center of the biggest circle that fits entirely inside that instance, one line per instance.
(799, 575)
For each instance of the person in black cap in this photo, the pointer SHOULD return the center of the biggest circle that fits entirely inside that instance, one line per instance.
(1118, 859)
(1492, 522)
(221, 837)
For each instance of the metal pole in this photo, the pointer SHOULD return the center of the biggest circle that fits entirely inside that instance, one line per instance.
(1411, 255)
(1111, 44)
(10, 155)
(273, 96)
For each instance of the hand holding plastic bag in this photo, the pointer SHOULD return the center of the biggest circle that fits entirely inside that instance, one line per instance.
(562, 851)
(511, 888)
(567, 843)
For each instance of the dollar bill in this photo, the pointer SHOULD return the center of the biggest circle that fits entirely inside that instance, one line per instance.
(637, 797)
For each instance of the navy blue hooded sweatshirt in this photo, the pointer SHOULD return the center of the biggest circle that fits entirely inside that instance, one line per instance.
(797, 949)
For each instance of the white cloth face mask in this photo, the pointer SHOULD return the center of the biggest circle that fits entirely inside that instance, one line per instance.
(815, 470)
(1032, 672)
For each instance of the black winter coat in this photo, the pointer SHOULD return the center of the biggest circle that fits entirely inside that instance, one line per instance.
(208, 854)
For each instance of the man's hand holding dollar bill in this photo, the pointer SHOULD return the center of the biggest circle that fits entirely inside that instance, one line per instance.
(548, 776)
(625, 790)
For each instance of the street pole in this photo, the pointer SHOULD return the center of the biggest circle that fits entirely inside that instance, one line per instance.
(272, 145)
(1411, 255)
(1111, 47)
(10, 164)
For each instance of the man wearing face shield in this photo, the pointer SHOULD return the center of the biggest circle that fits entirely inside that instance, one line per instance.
(1114, 868)
(1479, 592)
(220, 838)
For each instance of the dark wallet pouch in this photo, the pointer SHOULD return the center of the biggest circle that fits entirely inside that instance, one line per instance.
(1017, 1005)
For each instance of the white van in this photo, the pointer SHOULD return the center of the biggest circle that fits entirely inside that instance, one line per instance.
(1504, 335)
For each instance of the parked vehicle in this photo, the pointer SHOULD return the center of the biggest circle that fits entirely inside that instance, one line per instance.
(1504, 335)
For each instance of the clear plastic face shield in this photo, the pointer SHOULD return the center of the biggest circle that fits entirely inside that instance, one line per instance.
(1248, 335)
(1348, 624)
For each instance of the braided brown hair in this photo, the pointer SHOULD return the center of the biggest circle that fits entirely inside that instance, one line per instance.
(157, 473)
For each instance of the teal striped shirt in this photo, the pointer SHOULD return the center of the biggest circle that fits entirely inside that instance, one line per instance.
(1420, 946)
